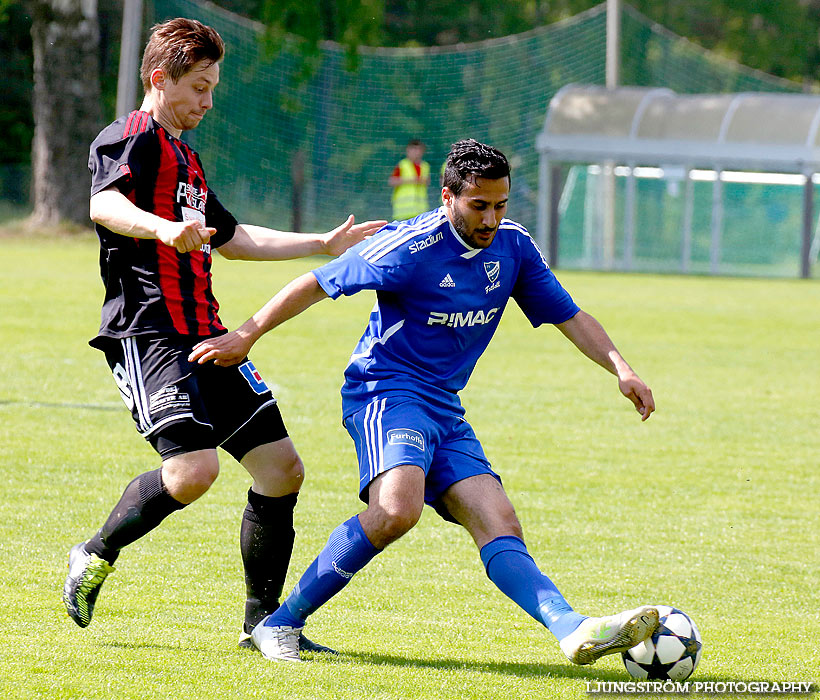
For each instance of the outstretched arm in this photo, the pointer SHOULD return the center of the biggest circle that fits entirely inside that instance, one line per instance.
(112, 209)
(233, 347)
(591, 339)
(260, 243)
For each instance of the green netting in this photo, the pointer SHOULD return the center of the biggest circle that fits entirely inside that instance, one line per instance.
(652, 56)
(346, 130)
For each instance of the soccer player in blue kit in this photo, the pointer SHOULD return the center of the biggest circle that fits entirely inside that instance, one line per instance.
(442, 281)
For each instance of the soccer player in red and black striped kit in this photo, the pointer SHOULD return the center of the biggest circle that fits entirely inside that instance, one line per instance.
(158, 221)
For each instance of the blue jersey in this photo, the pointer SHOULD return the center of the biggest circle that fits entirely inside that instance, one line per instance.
(439, 302)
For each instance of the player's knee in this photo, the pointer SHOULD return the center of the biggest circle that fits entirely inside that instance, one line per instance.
(203, 475)
(508, 520)
(197, 481)
(500, 522)
(398, 521)
(516, 529)
(286, 469)
(287, 476)
(276, 471)
(189, 476)
(293, 471)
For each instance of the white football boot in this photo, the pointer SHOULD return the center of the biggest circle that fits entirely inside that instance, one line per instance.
(245, 642)
(599, 636)
(277, 643)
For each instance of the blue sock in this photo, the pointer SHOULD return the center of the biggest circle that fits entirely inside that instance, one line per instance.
(511, 568)
(346, 552)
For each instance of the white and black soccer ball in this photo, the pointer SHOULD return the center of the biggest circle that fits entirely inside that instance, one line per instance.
(671, 653)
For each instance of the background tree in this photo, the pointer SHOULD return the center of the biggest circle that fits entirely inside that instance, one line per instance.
(781, 38)
(74, 53)
(16, 122)
(66, 106)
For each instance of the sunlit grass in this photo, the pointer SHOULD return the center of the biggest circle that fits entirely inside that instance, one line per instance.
(712, 505)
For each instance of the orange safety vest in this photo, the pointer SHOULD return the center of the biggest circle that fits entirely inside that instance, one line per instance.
(410, 200)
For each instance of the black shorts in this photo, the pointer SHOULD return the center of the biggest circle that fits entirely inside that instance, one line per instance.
(182, 407)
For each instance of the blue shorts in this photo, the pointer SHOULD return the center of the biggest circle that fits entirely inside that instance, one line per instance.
(393, 431)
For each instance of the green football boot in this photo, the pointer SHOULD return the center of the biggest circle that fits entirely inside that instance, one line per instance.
(599, 636)
(86, 573)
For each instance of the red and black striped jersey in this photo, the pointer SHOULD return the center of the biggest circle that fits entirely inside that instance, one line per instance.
(150, 288)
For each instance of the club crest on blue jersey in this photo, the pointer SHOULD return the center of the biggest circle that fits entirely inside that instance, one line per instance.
(492, 269)
(405, 436)
(253, 377)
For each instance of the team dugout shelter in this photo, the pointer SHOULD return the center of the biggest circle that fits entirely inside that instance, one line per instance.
(646, 179)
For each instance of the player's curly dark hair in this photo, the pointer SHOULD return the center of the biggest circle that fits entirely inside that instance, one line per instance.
(176, 45)
(469, 157)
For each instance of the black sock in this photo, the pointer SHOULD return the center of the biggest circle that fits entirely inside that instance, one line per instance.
(266, 542)
(144, 504)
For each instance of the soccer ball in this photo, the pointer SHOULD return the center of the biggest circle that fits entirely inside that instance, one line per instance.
(671, 653)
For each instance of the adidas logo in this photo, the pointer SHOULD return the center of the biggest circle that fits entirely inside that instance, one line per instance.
(447, 282)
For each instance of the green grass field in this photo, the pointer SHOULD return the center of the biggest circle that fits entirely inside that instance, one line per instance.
(713, 505)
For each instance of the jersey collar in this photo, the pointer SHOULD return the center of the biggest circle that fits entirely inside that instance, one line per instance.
(470, 252)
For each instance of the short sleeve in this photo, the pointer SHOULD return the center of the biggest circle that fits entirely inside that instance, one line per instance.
(538, 292)
(219, 218)
(121, 161)
(351, 273)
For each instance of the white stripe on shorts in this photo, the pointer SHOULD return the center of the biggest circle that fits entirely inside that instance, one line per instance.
(373, 436)
(133, 370)
(367, 413)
